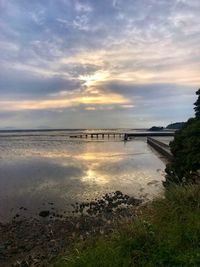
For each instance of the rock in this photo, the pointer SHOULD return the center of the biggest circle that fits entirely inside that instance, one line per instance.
(133, 201)
(44, 213)
(138, 201)
(118, 193)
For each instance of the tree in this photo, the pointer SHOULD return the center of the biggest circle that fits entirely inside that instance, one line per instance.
(185, 167)
(197, 105)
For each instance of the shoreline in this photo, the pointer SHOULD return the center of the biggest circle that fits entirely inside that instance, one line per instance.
(30, 241)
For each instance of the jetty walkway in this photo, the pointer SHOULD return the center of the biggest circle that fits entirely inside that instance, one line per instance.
(124, 136)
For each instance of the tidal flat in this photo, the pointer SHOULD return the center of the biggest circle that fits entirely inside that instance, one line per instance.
(38, 170)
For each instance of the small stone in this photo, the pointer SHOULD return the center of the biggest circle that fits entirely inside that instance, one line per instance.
(133, 201)
(44, 213)
(118, 193)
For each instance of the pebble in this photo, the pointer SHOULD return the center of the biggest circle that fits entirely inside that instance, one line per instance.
(108, 203)
(44, 213)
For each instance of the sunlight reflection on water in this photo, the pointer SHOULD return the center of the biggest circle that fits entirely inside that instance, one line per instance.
(33, 173)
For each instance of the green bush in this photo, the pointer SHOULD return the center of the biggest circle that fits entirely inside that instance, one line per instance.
(185, 148)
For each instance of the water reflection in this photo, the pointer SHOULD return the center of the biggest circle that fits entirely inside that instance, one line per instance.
(35, 173)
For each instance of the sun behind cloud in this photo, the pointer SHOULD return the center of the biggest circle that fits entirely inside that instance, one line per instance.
(91, 80)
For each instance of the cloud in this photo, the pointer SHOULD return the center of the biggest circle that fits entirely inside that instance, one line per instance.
(98, 99)
(81, 6)
(99, 54)
(26, 85)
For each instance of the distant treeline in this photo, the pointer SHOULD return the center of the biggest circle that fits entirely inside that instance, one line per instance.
(172, 126)
(176, 125)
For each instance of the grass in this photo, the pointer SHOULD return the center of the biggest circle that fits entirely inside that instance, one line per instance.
(166, 233)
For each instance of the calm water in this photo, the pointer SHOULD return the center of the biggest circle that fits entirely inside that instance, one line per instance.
(50, 167)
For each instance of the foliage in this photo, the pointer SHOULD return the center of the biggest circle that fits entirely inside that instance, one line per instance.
(197, 105)
(176, 125)
(167, 233)
(156, 128)
(186, 151)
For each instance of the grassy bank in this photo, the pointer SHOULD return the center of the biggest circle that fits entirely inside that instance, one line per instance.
(166, 233)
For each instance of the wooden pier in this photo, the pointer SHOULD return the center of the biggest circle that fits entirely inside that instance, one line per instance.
(121, 135)
(97, 135)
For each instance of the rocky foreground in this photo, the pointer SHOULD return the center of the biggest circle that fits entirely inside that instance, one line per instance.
(30, 242)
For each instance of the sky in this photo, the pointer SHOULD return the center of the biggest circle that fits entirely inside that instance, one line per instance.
(98, 63)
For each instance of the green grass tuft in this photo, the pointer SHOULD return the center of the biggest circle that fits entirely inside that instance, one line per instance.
(166, 233)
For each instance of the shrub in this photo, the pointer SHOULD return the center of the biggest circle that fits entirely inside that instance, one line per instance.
(185, 148)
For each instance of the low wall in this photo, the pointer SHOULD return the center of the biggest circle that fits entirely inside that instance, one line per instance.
(160, 147)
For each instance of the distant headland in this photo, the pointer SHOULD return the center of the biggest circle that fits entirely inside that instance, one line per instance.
(172, 126)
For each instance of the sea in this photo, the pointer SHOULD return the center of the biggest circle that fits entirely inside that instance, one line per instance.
(43, 169)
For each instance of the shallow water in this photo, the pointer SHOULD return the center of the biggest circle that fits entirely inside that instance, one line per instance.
(37, 170)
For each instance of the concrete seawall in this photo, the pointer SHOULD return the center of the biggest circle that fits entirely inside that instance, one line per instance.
(162, 148)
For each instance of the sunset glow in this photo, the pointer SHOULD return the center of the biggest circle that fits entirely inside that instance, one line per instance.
(103, 59)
